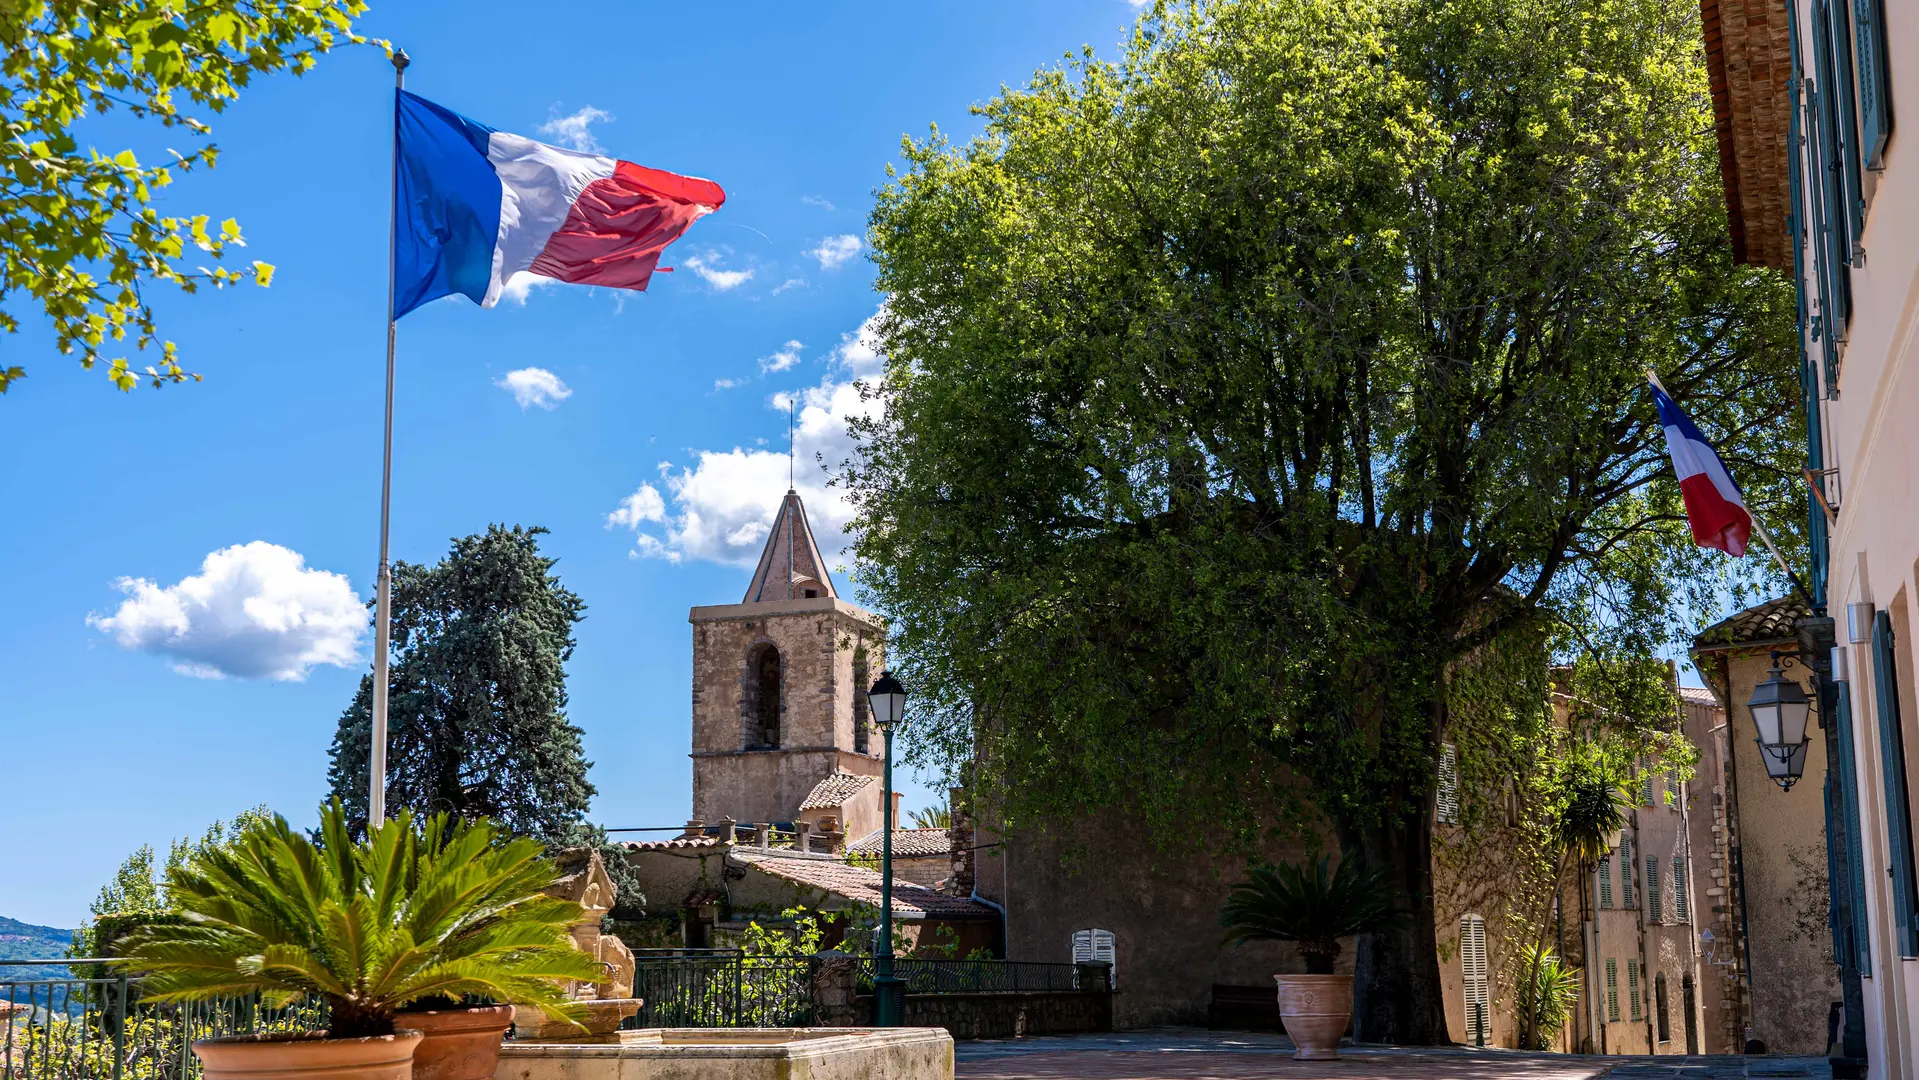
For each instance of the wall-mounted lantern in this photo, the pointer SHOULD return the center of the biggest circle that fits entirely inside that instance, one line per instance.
(1779, 709)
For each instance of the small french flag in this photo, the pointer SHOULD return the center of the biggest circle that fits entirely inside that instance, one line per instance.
(475, 206)
(1714, 507)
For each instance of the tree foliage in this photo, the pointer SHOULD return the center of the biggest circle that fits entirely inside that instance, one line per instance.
(82, 234)
(137, 890)
(1248, 394)
(476, 714)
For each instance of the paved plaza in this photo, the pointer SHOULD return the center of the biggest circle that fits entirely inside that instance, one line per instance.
(1185, 1054)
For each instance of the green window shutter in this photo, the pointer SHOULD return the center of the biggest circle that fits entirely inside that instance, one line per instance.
(1652, 889)
(1605, 881)
(1831, 246)
(1847, 774)
(1612, 991)
(1632, 988)
(1848, 166)
(1875, 84)
(1892, 767)
(1625, 872)
(1679, 911)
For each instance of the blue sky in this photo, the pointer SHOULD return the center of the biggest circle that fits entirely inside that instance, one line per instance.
(643, 429)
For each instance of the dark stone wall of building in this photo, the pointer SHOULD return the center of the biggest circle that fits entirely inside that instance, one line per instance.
(1162, 905)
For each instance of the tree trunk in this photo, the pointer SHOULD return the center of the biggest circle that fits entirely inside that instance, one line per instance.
(1397, 996)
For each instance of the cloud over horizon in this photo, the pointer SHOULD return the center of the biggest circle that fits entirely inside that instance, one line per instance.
(535, 386)
(254, 611)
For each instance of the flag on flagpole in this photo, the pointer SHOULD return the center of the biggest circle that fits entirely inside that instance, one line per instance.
(1714, 507)
(476, 206)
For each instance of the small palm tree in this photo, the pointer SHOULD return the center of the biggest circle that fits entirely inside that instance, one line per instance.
(1313, 906)
(933, 817)
(1547, 994)
(444, 910)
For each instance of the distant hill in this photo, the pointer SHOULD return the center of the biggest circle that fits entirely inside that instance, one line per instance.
(25, 941)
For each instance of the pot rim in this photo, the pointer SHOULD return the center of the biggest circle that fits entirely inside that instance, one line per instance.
(464, 1010)
(319, 1035)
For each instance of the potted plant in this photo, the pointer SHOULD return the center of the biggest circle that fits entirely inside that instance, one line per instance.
(1313, 907)
(444, 911)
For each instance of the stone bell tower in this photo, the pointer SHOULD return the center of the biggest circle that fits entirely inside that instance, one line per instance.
(779, 684)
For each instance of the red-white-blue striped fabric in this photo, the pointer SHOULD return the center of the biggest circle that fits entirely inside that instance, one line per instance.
(476, 206)
(1714, 507)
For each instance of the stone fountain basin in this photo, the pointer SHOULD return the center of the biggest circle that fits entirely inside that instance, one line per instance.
(740, 1054)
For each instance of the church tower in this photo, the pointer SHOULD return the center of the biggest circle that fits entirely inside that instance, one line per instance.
(779, 684)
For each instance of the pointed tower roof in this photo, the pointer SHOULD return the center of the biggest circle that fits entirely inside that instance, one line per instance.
(791, 563)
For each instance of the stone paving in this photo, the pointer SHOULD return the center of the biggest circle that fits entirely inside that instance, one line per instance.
(1184, 1054)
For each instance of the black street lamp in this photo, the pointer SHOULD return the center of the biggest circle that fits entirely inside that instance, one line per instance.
(887, 699)
(1779, 708)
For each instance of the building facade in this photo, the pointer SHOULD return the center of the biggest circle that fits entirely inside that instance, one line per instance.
(1820, 185)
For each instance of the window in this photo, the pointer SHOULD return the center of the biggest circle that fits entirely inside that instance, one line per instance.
(1446, 800)
(1625, 872)
(1645, 785)
(1653, 910)
(1612, 991)
(1855, 930)
(1875, 119)
(1605, 881)
(1892, 766)
(1097, 947)
(1632, 989)
(764, 701)
(1660, 1021)
(862, 716)
(1679, 911)
(1673, 790)
(1472, 963)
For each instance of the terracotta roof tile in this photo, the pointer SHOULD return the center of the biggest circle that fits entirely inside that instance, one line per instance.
(911, 843)
(834, 791)
(1697, 695)
(861, 885)
(1770, 621)
(677, 843)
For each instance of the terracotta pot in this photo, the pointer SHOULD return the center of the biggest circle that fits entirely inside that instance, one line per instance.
(308, 1055)
(460, 1044)
(1316, 1010)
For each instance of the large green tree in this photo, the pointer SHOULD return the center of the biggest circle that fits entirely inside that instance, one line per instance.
(80, 234)
(1249, 396)
(477, 701)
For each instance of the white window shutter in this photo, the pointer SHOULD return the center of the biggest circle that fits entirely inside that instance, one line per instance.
(1478, 988)
(1097, 946)
(1447, 799)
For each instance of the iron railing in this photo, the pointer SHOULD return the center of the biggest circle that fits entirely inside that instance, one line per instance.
(720, 988)
(926, 976)
(95, 1027)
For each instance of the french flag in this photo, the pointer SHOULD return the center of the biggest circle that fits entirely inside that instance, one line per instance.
(1714, 508)
(475, 206)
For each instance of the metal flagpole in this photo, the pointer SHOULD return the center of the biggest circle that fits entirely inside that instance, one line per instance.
(383, 606)
(1764, 536)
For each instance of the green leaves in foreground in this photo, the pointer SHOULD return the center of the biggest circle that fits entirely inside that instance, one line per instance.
(81, 234)
(446, 909)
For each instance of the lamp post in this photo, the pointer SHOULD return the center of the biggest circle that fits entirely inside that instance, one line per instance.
(887, 699)
(1779, 708)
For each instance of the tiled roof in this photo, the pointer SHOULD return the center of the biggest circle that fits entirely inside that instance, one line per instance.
(1697, 695)
(676, 843)
(859, 884)
(1770, 621)
(1749, 70)
(911, 843)
(834, 791)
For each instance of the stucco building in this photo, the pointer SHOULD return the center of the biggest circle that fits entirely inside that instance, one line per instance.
(1820, 185)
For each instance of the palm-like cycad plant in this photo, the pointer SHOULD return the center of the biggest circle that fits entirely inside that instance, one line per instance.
(444, 910)
(1313, 906)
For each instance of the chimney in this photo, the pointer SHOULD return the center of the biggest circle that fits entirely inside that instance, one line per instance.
(959, 836)
(803, 836)
(896, 810)
(695, 828)
(728, 830)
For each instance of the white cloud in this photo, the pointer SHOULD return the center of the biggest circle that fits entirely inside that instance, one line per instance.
(787, 356)
(521, 285)
(816, 200)
(720, 507)
(789, 283)
(254, 611)
(722, 280)
(576, 130)
(836, 250)
(644, 504)
(726, 384)
(535, 386)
